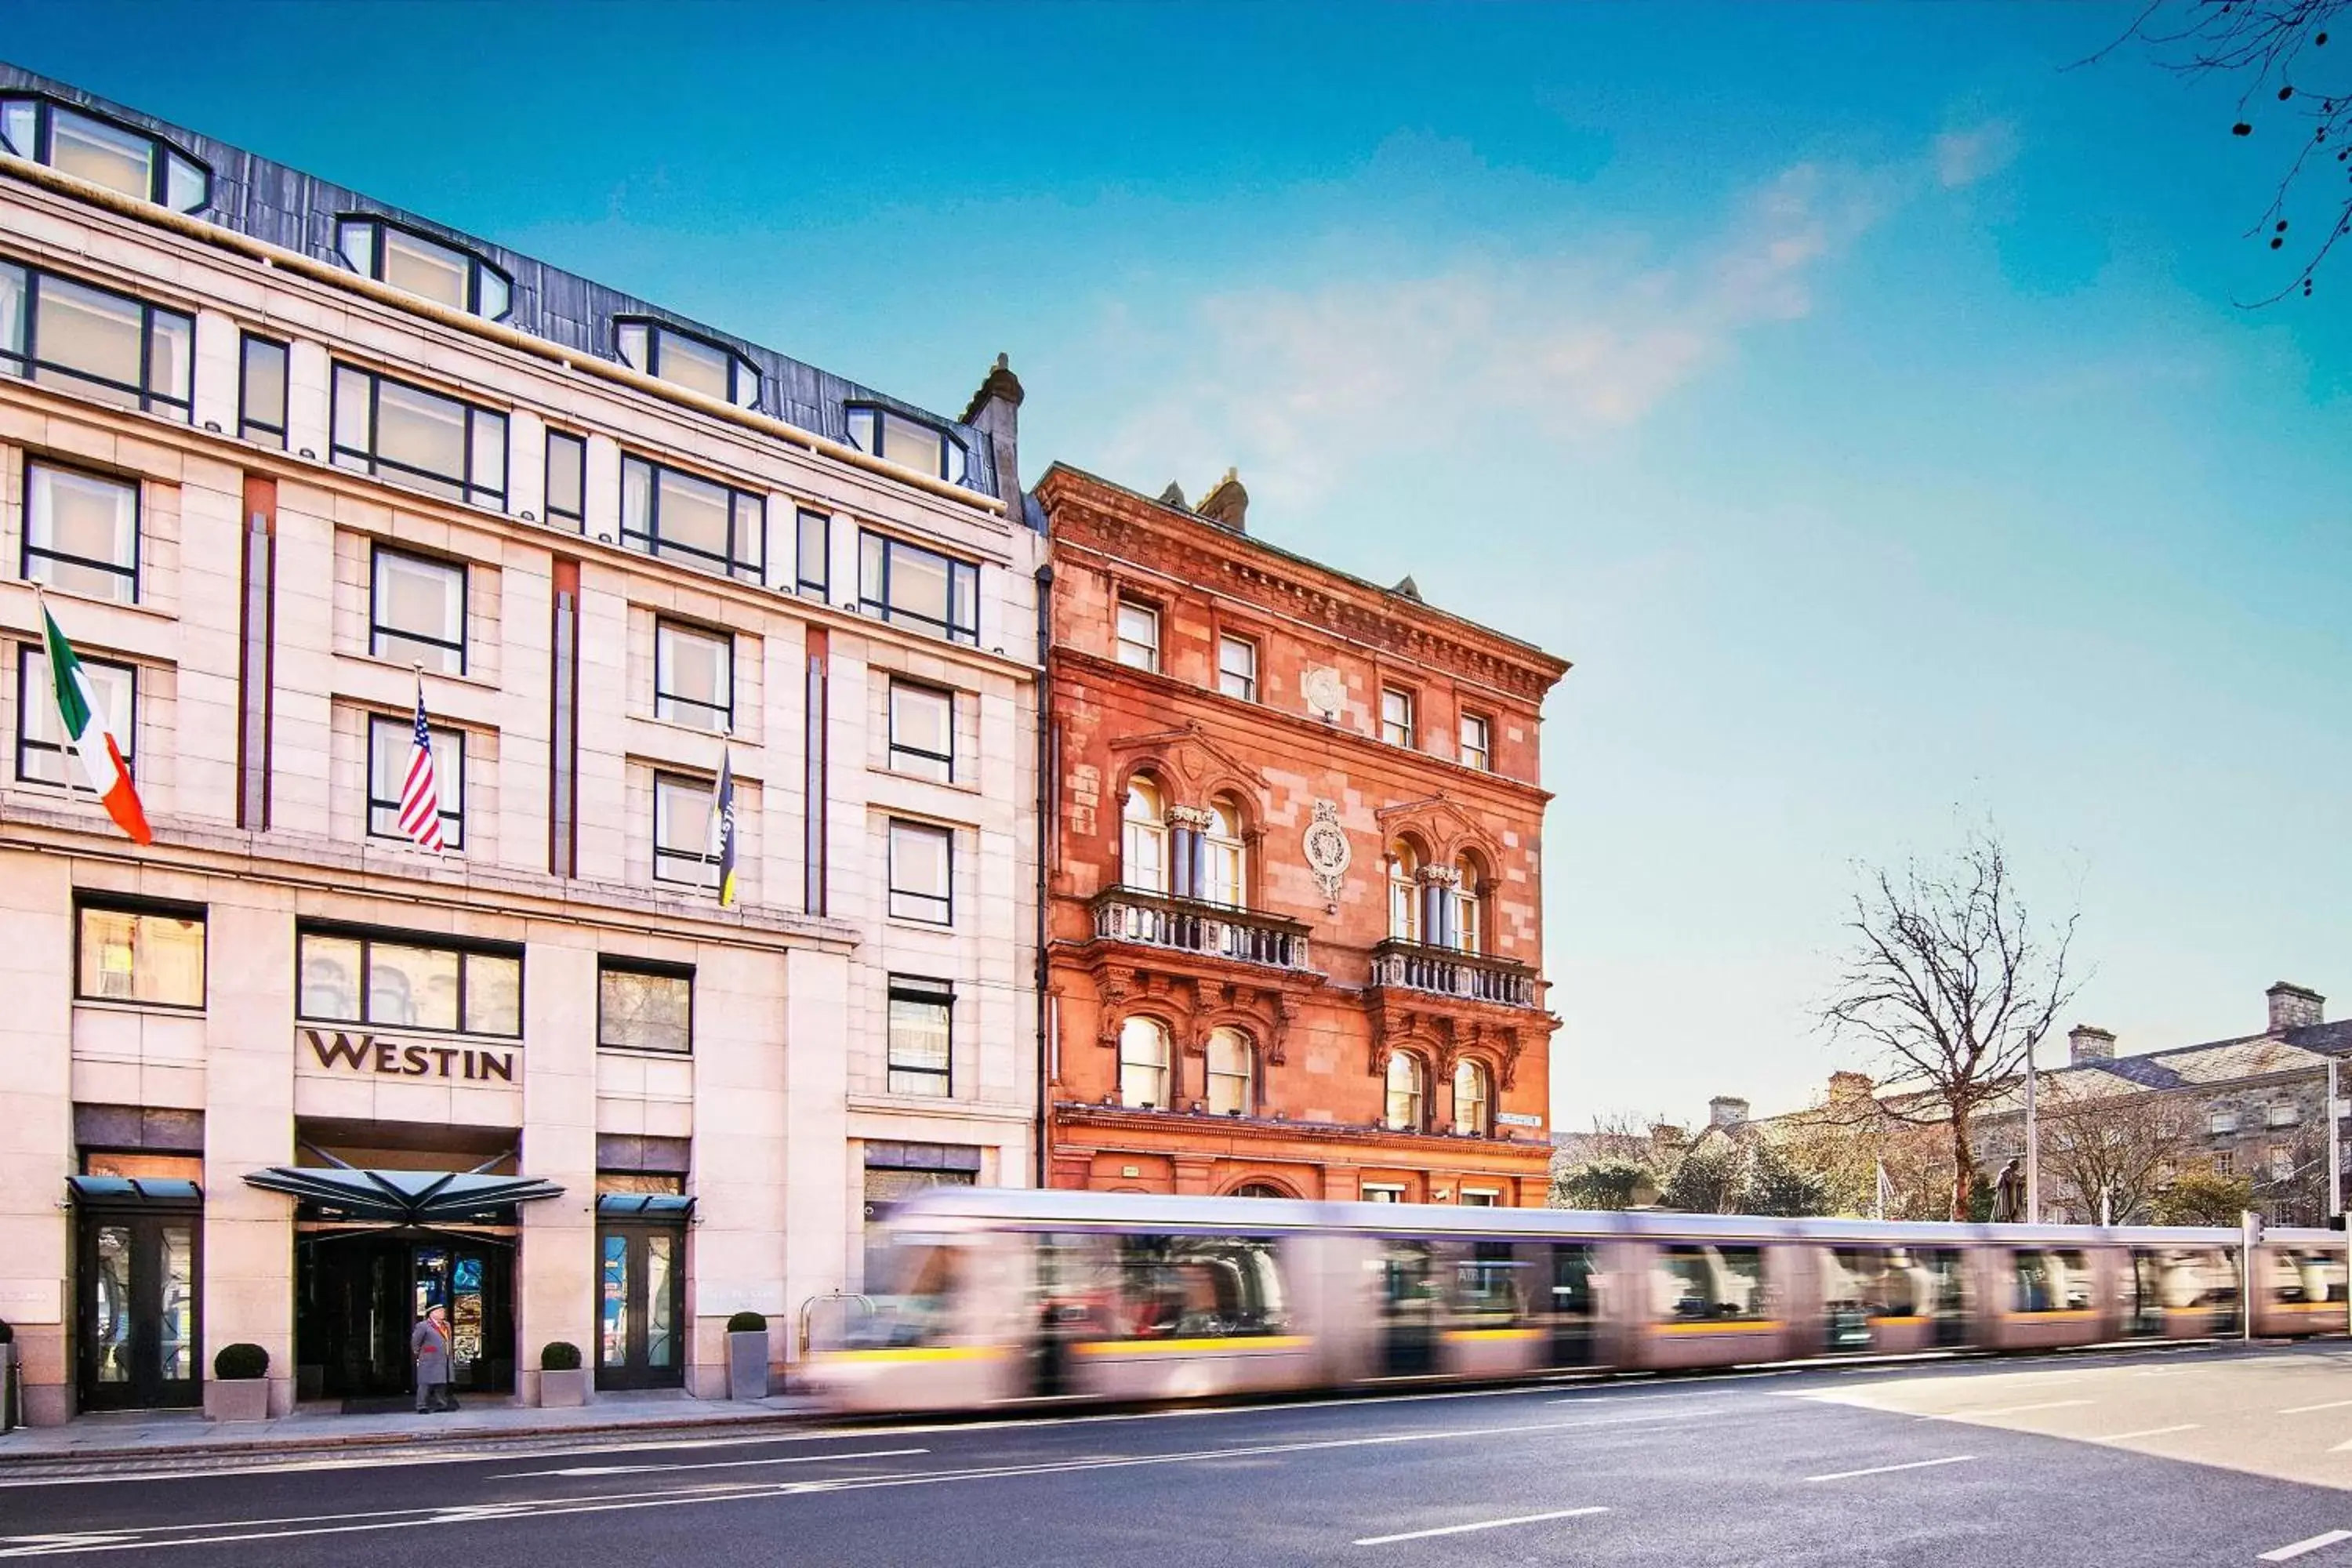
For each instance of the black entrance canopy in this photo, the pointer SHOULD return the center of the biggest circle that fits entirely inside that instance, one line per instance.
(644, 1205)
(403, 1197)
(144, 1192)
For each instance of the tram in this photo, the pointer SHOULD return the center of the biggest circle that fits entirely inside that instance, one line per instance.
(997, 1299)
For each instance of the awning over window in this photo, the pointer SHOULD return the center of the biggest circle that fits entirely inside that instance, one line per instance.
(134, 1191)
(644, 1205)
(403, 1197)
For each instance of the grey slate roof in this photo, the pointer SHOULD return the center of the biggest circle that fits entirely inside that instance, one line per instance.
(252, 196)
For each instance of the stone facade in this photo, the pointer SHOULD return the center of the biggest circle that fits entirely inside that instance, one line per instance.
(253, 640)
(1253, 916)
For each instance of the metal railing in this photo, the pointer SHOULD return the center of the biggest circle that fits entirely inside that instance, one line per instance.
(1188, 925)
(1447, 972)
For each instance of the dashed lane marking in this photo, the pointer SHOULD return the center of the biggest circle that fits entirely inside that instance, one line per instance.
(1482, 1524)
(715, 1464)
(2146, 1431)
(1890, 1469)
(2307, 1409)
(2318, 1542)
(2000, 1410)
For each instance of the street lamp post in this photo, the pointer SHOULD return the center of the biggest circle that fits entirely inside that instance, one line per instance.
(2032, 1149)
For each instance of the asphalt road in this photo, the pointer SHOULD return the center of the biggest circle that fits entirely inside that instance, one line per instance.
(2153, 1460)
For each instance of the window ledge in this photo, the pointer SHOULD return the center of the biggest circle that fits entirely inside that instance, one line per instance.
(737, 738)
(934, 927)
(135, 607)
(479, 683)
(958, 785)
(456, 1036)
(160, 1009)
(645, 1053)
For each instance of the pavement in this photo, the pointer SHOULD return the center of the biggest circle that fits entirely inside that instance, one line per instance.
(1983, 1464)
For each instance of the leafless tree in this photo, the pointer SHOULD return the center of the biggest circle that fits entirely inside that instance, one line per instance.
(2290, 92)
(2111, 1138)
(1951, 986)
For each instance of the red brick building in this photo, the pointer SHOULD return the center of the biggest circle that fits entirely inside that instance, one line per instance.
(1294, 856)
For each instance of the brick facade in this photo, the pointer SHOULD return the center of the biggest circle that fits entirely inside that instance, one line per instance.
(1302, 970)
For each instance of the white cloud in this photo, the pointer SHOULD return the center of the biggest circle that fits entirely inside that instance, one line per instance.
(1964, 157)
(1300, 385)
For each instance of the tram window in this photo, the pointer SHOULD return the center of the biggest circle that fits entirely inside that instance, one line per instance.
(2302, 1275)
(1572, 1281)
(916, 1300)
(1077, 1288)
(1487, 1284)
(1709, 1282)
(1200, 1287)
(2052, 1281)
(1879, 1282)
(2188, 1278)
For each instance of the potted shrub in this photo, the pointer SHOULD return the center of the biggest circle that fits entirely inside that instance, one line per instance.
(747, 1356)
(240, 1390)
(562, 1381)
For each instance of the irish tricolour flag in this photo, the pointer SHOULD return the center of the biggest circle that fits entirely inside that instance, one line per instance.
(84, 722)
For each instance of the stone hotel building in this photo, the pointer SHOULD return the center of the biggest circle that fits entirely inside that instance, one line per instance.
(279, 456)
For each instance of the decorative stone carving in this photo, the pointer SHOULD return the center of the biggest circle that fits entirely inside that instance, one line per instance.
(1324, 690)
(1199, 818)
(1328, 854)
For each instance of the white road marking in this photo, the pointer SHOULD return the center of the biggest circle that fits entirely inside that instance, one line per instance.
(2307, 1409)
(2149, 1432)
(1890, 1469)
(2006, 1410)
(713, 1464)
(1482, 1524)
(2286, 1554)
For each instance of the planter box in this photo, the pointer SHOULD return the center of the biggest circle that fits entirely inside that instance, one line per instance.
(563, 1390)
(237, 1399)
(746, 1366)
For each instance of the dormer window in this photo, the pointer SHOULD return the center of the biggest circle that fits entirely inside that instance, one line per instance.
(668, 354)
(895, 438)
(425, 268)
(103, 152)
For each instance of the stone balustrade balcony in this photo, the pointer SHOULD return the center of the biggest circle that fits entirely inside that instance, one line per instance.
(1448, 972)
(1189, 925)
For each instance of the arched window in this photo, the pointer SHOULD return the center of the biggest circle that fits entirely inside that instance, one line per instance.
(1143, 1064)
(1408, 1089)
(1404, 891)
(1144, 843)
(1469, 913)
(1223, 856)
(1474, 1100)
(1257, 1190)
(1232, 1070)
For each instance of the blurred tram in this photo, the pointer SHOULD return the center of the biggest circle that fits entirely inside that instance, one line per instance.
(1001, 1297)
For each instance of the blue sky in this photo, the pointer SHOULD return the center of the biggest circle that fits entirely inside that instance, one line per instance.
(1855, 396)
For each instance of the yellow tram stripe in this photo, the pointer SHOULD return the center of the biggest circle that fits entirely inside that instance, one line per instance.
(1193, 1347)
(1461, 1336)
(2056, 1315)
(914, 1353)
(1727, 1326)
(2336, 1307)
(1906, 1320)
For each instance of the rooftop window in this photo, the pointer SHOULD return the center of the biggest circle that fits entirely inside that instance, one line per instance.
(103, 152)
(668, 354)
(895, 438)
(425, 268)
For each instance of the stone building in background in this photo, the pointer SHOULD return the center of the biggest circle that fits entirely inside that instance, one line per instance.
(1295, 873)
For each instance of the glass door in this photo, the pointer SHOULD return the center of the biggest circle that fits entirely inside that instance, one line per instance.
(137, 1305)
(1410, 1301)
(641, 1304)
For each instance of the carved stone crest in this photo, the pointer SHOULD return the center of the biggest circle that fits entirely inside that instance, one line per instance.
(1325, 693)
(1328, 855)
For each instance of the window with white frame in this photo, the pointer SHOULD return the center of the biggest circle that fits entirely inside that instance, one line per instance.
(261, 391)
(41, 745)
(391, 739)
(683, 846)
(1382, 1191)
(909, 443)
(1143, 837)
(1396, 717)
(567, 479)
(922, 872)
(694, 675)
(922, 730)
(139, 165)
(696, 363)
(81, 533)
(407, 436)
(1224, 855)
(1474, 1100)
(429, 269)
(1138, 634)
(1408, 1092)
(1237, 667)
(417, 611)
(1232, 1071)
(2223, 1120)
(1143, 1062)
(2285, 1113)
(676, 516)
(113, 347)
(921, 1035)
(1404, 891)
(1468, 921)
(910, 586)
(1477, 745)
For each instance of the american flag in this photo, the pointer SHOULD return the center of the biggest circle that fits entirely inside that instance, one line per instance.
(420, 791)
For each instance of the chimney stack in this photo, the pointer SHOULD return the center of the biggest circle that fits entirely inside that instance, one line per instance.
(996, 409)
(2295, 1007)
(1846, 1088)
(1726, 1111)
(2088, 1043)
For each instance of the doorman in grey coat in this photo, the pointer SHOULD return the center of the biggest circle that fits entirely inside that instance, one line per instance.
(429, 1343)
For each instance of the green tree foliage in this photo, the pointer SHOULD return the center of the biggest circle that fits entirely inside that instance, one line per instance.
(1605, 1183)
(1776, 1187)
(2203, 1197)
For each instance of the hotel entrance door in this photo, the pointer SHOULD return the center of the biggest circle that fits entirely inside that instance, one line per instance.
(136, 1279)
(361, 1294)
